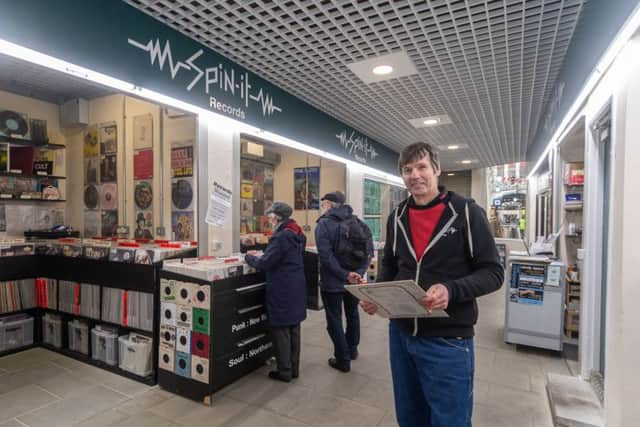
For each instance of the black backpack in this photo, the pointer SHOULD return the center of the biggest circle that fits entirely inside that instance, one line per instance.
(352, 244)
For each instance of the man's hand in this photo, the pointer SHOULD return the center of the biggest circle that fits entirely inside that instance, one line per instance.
(369, 307)
(437, 298)
(354, 278)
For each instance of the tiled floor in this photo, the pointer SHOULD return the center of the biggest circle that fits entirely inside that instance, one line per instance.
(41, 388)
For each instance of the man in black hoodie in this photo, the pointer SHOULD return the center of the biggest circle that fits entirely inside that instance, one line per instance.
(442, 241)
(335, 272)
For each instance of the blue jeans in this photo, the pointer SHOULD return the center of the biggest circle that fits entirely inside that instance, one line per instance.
(344, 342)
(432, 379)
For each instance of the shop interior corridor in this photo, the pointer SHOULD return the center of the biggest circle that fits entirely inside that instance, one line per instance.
(41, 388)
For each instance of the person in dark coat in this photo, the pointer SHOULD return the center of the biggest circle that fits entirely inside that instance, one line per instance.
(333, 277)
(282, 262)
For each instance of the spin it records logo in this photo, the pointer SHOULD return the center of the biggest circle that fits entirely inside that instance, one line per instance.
(214, 79)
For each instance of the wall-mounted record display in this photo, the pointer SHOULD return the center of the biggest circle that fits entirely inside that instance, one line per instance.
(143, 194)
(182, 193)
(91, 166)
(14, 124)
(109, 196)
(91, 197)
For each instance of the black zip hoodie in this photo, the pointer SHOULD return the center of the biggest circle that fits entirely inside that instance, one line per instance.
(461, 255)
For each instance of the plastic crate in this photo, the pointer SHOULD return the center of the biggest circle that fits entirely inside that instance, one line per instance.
(135, 354)
(79, 336)
(104, 344)
(16, 331)
(52, 329)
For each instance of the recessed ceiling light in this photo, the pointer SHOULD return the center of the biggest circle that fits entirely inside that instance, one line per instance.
(430, 121)
(451, 174)
(453, 147)
(382, 70)
(385, 67)
(465, 162)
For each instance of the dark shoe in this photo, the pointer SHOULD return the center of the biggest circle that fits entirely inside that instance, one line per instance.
(339, 366)
(354, 354)
(295, 375)
(275, 375)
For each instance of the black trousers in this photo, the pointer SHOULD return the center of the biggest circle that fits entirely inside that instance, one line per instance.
(286, 344)
(345, 341)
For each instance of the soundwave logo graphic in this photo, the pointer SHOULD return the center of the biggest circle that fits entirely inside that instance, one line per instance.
(357, 146)
(216, 78)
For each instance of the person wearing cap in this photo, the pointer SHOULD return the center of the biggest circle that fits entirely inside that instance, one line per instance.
(286, 299)
(334, 275)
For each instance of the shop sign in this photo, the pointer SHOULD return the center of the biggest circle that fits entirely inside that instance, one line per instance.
(120, 41)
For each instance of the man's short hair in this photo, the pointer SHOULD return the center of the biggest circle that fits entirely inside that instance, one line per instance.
(417, 151)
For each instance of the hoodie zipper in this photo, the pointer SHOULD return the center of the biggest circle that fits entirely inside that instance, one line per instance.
(433, 241)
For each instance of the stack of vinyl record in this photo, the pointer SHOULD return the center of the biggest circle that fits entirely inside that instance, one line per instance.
(80, 299)
(17, 295)
(128, 308)
(47, 293)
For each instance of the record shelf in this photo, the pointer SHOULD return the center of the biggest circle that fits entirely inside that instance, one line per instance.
(125, 276)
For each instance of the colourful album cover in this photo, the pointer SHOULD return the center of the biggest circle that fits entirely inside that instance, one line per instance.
(143, 195)
(182, 193)
(91, 168)
(143, 164)
(4, 157)
(247, 170)
(92, 223)
(108, 171)
(182, 162)
(108, 139)
(144, 225)
(109, 196)
(142, 131)
(91, 196)
(268, 175)
(109, 221)
(246, 190)
(182, 225)
(91, 147)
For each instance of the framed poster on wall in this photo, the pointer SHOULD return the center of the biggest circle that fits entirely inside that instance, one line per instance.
(306, 188)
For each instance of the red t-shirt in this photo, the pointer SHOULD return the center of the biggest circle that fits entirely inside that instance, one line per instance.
(422, 223)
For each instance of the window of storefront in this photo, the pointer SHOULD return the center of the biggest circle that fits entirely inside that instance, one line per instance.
(379, 200)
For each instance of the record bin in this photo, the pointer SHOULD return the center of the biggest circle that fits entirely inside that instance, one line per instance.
(224, 338)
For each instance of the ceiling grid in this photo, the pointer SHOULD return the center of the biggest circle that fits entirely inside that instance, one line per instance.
(489, 64)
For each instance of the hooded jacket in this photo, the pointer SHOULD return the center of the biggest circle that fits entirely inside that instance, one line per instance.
(333, 276)
(461, 255)
(282, 262)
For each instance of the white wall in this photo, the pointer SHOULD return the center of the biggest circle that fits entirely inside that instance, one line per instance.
(217, 159)
(622, 375)
(479, 187)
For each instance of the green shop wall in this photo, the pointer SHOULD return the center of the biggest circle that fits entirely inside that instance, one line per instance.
(118, 40)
